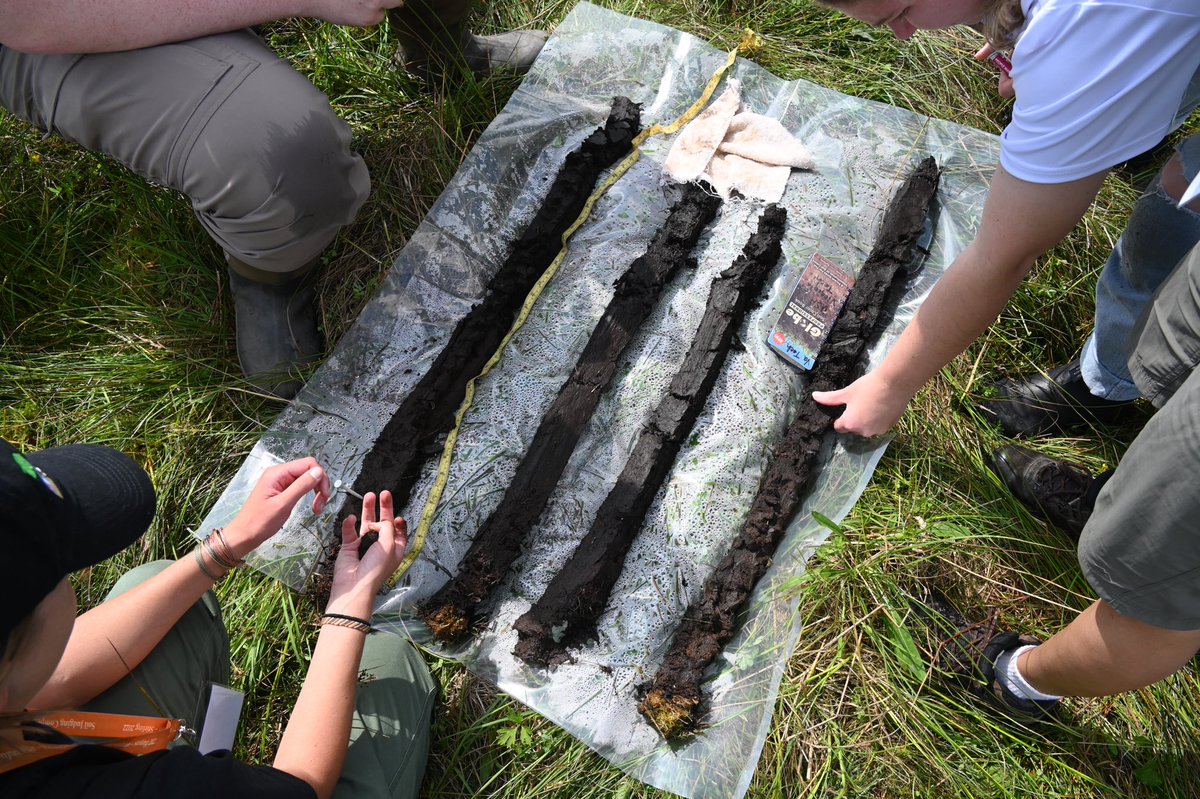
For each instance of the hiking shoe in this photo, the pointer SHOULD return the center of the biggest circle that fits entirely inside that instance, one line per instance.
(966, 652)
(443, 55)
(1059, 492)
(514, 51)
(1040, 404)
(276, 332)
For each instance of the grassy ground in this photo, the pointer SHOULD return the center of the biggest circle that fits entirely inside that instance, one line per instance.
(116, 327)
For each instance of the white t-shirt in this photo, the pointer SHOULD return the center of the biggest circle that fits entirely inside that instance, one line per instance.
(1097, 82)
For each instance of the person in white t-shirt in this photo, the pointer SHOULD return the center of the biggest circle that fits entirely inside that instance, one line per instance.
(1096, 82)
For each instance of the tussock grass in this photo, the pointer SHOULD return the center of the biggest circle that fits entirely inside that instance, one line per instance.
(116, 327)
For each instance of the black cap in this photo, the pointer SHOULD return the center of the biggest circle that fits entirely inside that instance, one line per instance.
(61, 510)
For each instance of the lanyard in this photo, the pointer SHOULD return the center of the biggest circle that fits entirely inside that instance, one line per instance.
(136, 735)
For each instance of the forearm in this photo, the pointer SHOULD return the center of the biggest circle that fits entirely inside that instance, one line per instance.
(966, 300)
(60, 26)
(115, 636)
(314, 742)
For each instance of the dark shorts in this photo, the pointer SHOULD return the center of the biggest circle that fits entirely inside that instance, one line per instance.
(1141, 548)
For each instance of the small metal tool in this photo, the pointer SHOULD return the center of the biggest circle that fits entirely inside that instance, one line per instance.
(338, 485)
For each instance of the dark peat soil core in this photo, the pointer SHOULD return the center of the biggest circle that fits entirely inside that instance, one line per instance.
(450, 612)
(416, 430)
(672, 697)
(566, 613)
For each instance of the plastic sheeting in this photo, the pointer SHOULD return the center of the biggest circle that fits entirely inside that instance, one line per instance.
(862, 150)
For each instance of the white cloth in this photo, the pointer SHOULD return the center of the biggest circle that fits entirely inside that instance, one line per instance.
(737, 150)
(1097, 82)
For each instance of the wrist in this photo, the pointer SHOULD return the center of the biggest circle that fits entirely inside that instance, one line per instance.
(351, 603)
(239, 539)
(898, 385)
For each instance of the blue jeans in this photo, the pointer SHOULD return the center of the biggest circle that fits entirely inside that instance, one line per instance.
(1157, 236)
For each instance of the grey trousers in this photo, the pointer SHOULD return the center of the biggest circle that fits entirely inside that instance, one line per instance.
(1140, 550)
(389, 732)
(253, 144)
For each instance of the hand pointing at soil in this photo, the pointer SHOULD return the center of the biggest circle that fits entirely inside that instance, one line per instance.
(871, 406)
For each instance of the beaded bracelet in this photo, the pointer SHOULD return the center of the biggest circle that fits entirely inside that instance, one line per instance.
(352, 622)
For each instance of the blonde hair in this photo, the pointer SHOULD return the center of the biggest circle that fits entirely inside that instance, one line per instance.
(1000, 22)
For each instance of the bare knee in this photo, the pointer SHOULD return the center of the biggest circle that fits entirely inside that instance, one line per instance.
(1175, 184)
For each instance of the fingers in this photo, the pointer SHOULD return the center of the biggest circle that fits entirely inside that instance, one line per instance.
(368, 510)
(984, 52)
(401, 528)
(311, 479)
(829, 397)
(349, 535)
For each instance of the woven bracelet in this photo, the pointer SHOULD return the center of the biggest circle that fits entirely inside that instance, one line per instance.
(353, 622)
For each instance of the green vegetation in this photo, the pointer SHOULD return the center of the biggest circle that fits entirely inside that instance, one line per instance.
(116, 327)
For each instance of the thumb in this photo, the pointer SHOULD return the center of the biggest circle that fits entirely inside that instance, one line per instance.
(301, 486)
(829, 397)
(984, 52)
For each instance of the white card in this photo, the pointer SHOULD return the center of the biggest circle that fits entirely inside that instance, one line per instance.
(221, 719)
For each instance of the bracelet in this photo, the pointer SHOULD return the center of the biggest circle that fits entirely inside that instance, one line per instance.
(211, 551)
(223, 559)
(352, 622)
(228, 550)
(203, 568)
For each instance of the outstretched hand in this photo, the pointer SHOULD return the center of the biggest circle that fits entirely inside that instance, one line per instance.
(872, 406)
(357, 579)
(271, 501)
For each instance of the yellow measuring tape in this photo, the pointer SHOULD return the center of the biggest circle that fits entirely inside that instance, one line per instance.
(750, 42)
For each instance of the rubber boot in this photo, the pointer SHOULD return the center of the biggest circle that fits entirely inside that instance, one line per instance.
(276, 326)
(436, 42)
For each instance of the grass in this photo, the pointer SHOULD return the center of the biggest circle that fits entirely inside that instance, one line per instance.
(116, 328)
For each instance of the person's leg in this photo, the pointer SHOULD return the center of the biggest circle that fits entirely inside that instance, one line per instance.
(389, 733)
(193, 653)
(1140, 546)
(1102, 653)
(1158, 235)
(436, 41)
(264, 160)
(1097, 386)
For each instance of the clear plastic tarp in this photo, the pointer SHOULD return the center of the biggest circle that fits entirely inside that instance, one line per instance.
(862, 149)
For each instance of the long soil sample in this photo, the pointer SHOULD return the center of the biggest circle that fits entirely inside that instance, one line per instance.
(566, 613)
(415, 431)
(449, 613)
(710, 623)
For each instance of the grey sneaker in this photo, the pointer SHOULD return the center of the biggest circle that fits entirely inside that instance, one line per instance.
(514, 51)
(445, 54)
